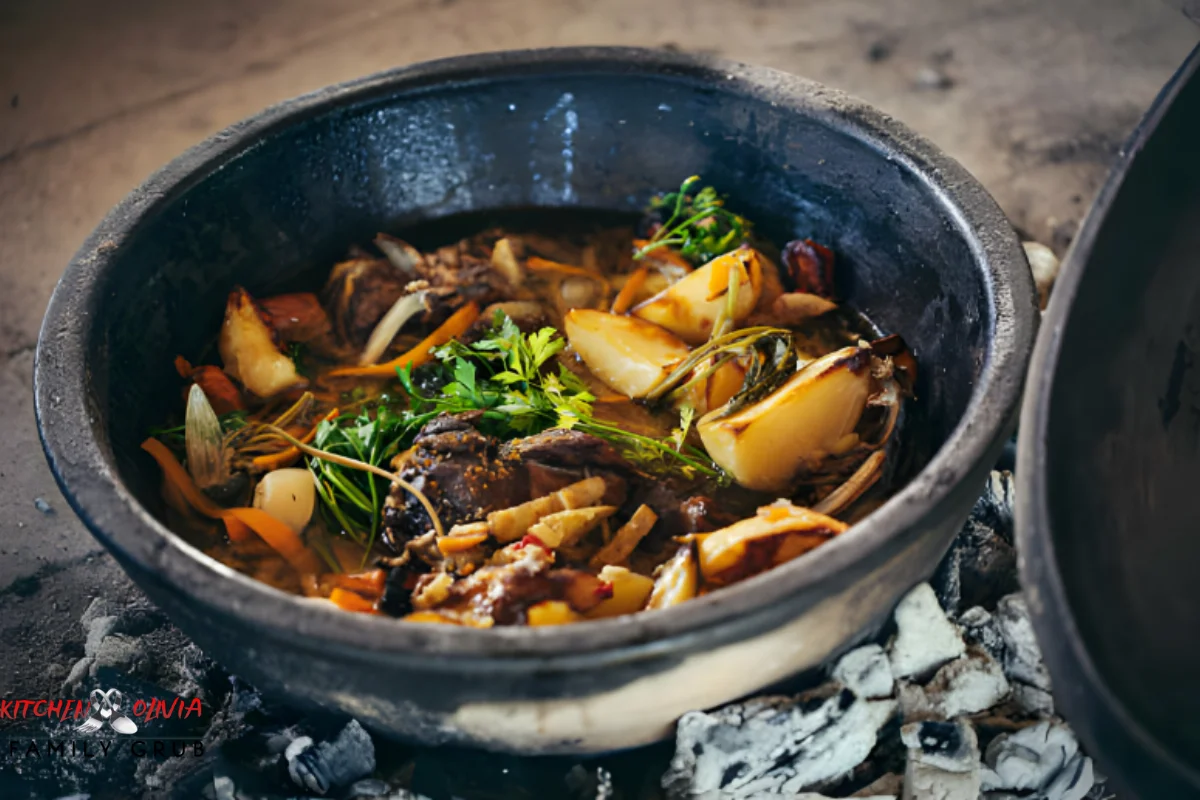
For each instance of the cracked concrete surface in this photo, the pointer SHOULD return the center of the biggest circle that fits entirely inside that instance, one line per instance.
(1032, 96)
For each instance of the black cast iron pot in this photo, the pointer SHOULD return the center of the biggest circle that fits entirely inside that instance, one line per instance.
(1109, 462)
(925, 253)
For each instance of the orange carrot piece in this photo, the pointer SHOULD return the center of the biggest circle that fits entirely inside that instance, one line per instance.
(183, 367)
(718, 278)
(629, 291)
(237, 530)
(275, 533)
(456, 325)
(349, 601)
(282, 538)
(449, 618)
(288, 456)
(219, 389)
(663, 254)
(546, 265)
(457, 544)
(369, 582)
(176, 474)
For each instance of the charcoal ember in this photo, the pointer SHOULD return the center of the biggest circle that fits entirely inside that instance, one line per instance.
(1022, 656)
(967, 685)
(815, 796)
(981, 565)
(943, 761)
(584, 784)
(332, 764)
(866, 672)
(980, 629)
(774, 746)
(889, 785)
(925, 637)
(1032, 701)
(370, 787)
(1042, 761)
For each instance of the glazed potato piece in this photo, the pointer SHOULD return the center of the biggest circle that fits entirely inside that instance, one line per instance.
(551, 612)
(777, 533)
(249, 352)
(630, 593)
(678, 580)
(691, 307)
(510, 524)
(794, 429)
(629, 355)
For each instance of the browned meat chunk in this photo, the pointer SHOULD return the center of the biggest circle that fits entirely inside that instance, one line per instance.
(504, 593)
(357, 295)
(360, 290)
(466, 475)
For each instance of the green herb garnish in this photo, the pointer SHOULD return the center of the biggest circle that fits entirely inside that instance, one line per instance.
(508, 375)
(352, 499)
(175, 437)
(700, 227)
(512, 379)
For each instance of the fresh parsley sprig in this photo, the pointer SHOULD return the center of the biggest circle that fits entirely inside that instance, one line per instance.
(700, 227)
(511, 378)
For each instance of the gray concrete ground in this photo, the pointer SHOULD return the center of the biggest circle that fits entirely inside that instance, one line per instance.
(1032, 96)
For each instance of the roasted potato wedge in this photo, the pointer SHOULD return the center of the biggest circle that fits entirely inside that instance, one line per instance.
(794, 429)
(691, 307)
(628, 354)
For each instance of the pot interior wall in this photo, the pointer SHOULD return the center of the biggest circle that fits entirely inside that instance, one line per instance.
(277, 216)
(1123, 449)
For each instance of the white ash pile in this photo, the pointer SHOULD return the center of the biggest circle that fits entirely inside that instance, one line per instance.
(954, 706)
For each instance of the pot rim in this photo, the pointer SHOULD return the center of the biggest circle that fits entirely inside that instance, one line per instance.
(1114, 731)
(77, 449)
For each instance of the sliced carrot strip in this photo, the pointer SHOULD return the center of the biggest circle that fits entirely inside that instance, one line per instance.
(369, 582)
(630, 289)
(237, 530)
(457, 544)
(177, 475)
(282, 538)
(546, 265)
(456, 325)
(237, 520)
(289, 455)
(349, 601)
(718, 278)
(537, 264)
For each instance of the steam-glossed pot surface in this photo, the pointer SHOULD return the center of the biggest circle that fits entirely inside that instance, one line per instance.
(1109, 462)
(923, 250)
